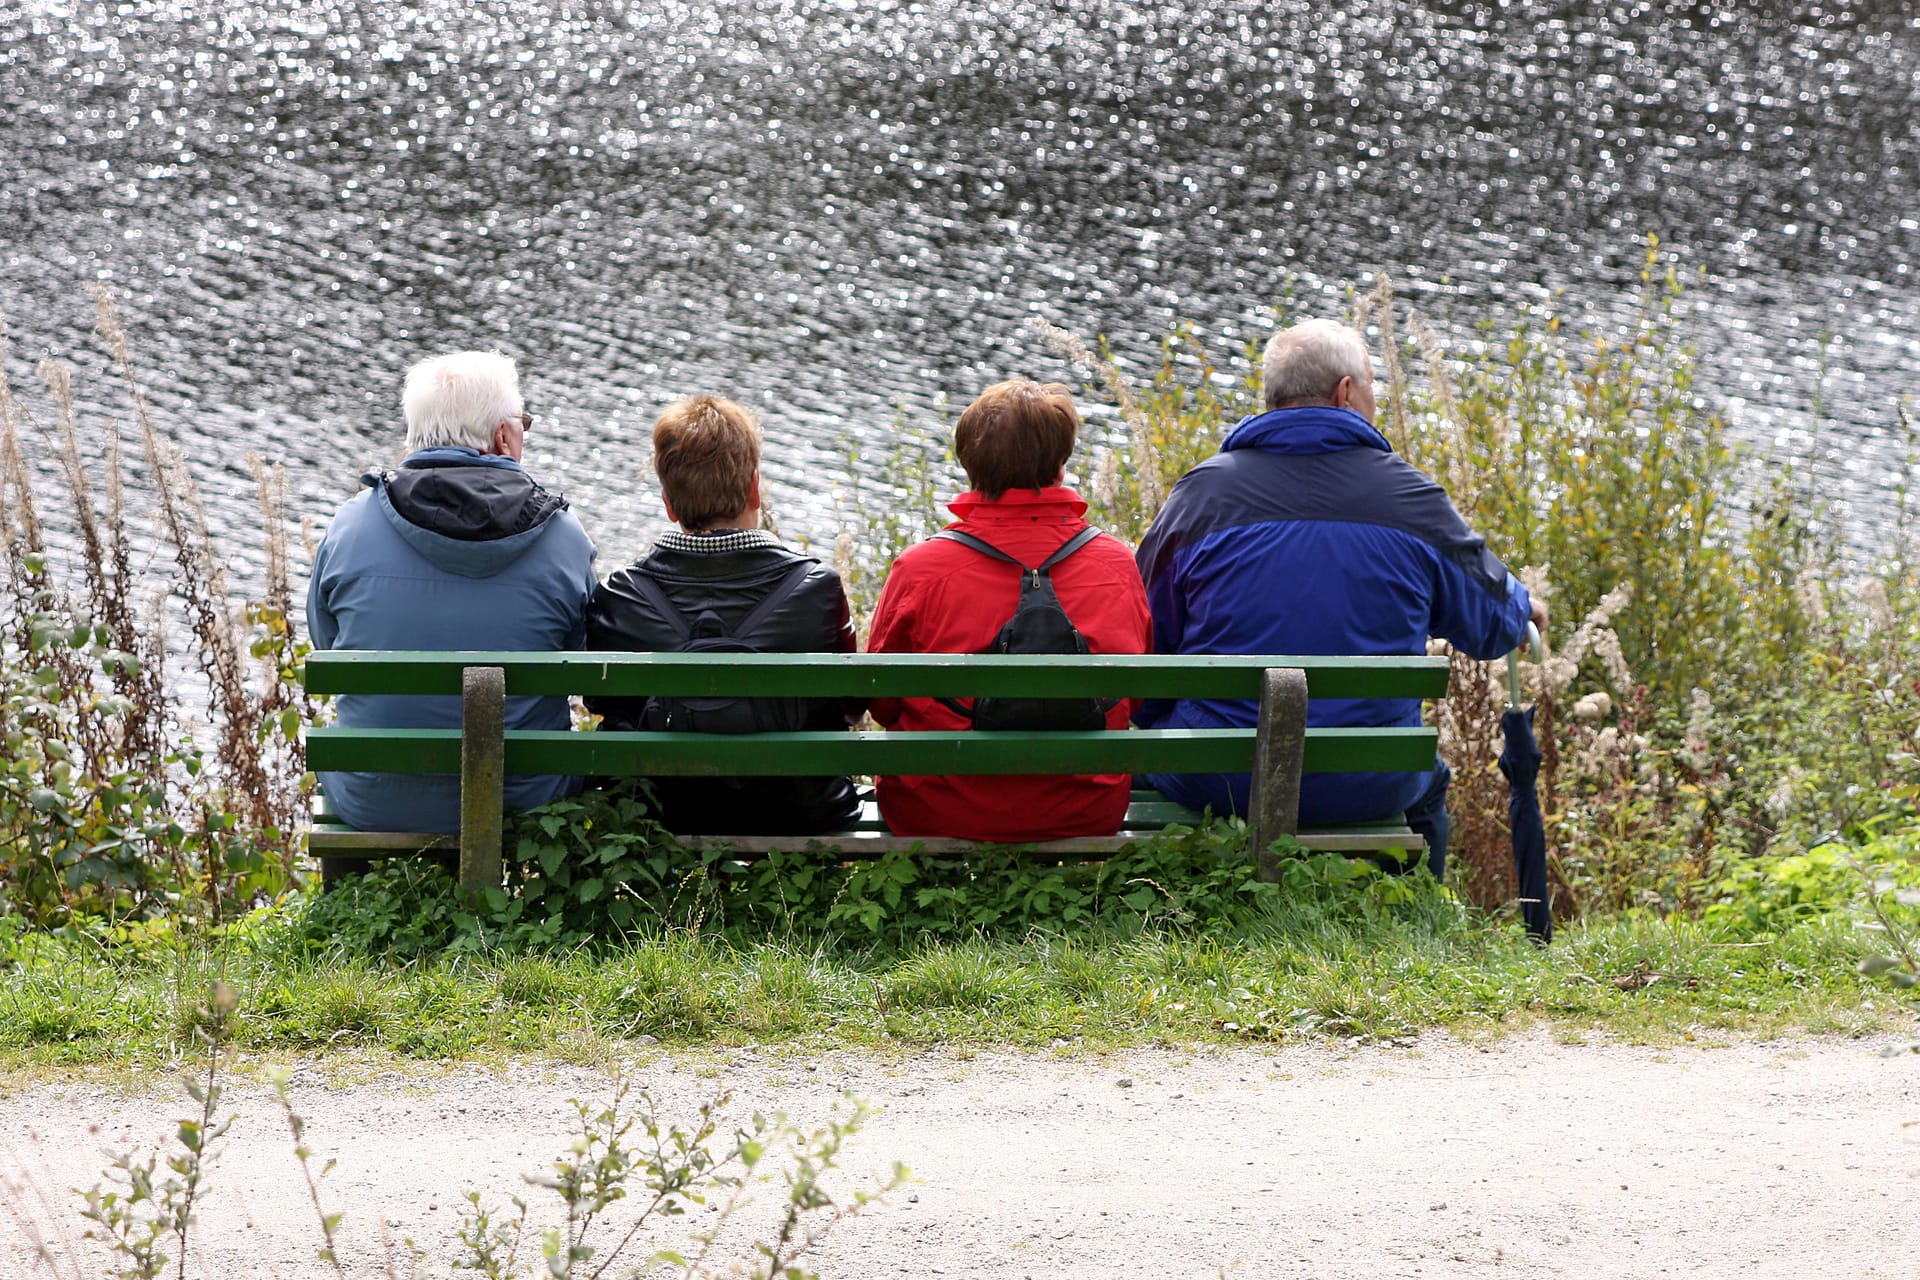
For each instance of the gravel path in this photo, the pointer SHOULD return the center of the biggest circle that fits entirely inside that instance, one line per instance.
(1522, 1158)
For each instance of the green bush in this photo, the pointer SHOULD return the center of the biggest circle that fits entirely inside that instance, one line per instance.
(597, 868)
(1766, 895)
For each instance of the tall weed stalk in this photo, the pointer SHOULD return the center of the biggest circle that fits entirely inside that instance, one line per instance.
(111, 804)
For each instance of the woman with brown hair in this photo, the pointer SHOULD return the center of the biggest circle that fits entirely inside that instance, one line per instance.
(955, 594)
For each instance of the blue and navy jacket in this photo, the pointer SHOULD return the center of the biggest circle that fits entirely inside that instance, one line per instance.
(1307, 534)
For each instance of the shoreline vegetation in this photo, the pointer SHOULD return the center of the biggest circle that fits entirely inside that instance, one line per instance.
(1731, 721)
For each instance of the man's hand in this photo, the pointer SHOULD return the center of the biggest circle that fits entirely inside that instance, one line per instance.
(1538, 615)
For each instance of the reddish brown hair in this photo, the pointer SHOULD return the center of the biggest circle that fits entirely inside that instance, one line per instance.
(1017, 435)
(705, 451)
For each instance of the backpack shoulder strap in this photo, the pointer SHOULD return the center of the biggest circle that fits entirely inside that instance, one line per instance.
(1067, 548)
(775, 596)
(985, 548)
(656, 595)
(981, 545)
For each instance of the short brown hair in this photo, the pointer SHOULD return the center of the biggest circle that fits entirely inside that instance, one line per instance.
(705, 451)
(1017, 435)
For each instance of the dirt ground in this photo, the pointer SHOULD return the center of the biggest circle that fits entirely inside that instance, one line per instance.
(1522, 1158)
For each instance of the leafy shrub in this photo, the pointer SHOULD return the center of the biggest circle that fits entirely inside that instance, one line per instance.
(1765, 895)
(598, 867)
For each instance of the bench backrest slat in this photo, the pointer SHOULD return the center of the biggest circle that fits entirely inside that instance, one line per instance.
(778, 754)
(876, 675)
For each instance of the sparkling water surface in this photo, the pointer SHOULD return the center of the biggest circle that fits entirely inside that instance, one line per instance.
(848, 214)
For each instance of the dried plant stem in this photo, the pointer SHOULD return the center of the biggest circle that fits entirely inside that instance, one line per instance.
(19, 521)
(1377, 308)
(1143, 449)
(202, 585)
(65, 447)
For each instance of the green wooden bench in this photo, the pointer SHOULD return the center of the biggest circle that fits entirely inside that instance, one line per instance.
(1276, 752)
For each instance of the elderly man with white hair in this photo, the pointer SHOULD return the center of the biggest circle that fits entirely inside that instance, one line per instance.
(458, 548)
(1307, 534)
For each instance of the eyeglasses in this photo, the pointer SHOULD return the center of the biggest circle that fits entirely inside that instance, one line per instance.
(526, 422)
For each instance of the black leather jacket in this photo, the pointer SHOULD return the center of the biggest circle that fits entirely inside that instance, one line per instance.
(813, 619)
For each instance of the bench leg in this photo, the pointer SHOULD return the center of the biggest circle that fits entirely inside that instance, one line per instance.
(483, 759)
(1278, 752)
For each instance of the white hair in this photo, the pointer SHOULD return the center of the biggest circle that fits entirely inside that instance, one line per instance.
(459, 399)
(1304, 364)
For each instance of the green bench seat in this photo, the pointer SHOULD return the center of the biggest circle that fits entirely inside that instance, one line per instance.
(867, 836)
(1277, 751)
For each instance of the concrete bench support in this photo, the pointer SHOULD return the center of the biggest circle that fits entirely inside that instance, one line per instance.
(1278, 754)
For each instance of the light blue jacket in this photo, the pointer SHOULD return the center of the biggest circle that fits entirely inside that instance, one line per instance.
(456, 550)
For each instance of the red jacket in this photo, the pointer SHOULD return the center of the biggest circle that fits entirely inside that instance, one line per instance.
(942, 597)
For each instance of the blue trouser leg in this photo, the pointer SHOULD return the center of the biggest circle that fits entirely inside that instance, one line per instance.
(1428, 816)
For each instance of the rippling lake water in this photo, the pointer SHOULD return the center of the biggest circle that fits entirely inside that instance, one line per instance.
(839, 210)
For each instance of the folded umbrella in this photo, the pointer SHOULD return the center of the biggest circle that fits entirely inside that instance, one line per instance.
(1520, 762)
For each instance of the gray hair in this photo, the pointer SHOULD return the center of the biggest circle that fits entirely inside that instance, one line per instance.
(1304, 364)
(459, 399)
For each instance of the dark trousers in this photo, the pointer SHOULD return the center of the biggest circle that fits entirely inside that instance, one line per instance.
(1428, 816)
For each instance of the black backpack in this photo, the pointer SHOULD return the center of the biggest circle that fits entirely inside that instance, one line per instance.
(704, 634)
(1038, 625)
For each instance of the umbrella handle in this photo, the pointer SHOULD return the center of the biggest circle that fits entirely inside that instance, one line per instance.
(1533, 646)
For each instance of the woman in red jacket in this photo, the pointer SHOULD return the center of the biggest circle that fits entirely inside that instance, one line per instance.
(946, 596)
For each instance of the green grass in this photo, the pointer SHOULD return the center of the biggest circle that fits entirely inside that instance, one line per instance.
(1376, 978)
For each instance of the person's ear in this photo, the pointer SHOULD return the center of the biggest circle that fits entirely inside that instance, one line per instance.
(501, 439)
(669, 509)
(1343, 393)
(753, 491)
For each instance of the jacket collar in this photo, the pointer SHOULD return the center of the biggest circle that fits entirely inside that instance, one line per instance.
(463, 510)
(1056, 502)
(456, 455)
(466, 557)
(1308, 429)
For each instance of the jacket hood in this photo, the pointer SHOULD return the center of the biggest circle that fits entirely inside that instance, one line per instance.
(1306, 430)
(469, 513)
(1054, 502)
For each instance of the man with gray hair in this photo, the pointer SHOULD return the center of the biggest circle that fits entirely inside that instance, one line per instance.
(459, 548)
(1307, 534)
